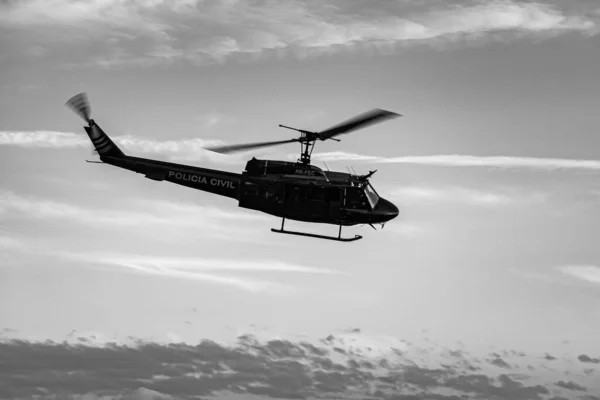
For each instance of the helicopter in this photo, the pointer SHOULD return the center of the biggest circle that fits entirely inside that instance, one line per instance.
(298, 191)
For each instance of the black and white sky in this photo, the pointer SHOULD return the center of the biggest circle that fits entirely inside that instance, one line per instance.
(487, 285)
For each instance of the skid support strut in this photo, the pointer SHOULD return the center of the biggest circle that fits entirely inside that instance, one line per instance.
(339, 238)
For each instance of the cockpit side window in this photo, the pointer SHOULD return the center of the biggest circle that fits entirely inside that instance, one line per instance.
(372, 195)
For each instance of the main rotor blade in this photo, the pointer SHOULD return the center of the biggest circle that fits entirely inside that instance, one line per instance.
(80, 105)
(247, 146)
(360, 121)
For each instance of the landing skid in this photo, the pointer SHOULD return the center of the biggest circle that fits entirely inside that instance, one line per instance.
(339, 238)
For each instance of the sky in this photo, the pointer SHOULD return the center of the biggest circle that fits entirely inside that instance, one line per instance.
(487, 284)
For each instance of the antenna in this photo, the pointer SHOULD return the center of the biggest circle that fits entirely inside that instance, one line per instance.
(326, 165)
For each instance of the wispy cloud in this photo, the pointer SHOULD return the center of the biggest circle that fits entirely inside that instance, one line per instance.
(43, 139)
(457, 160)
(211, 119)
(588, 273)
(202, 269)
(213, 31)
(462, 195)
(198, 269)
(159, 219)
(215, 264)
(194, 149)
(10, 242)
(204, 264)
(137, 215)
(184, 149)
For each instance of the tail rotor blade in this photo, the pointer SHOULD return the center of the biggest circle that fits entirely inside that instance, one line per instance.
(81, 106)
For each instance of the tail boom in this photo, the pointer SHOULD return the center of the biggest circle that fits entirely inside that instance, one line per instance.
(208, 180)
(218, 182)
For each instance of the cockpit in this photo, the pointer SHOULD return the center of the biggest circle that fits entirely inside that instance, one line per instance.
(364, 199)
(362, 196)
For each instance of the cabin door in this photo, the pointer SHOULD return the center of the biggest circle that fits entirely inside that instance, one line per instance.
(274, 197)
(250, 195)
(263, 196)
(334, 199)
(292, 201)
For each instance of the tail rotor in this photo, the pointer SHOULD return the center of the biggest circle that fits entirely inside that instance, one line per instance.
(81, 106)
(103, 145)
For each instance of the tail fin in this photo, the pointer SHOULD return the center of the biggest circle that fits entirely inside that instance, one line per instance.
(102, 142)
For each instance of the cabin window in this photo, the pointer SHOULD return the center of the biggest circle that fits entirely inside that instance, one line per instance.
(293, 193)
(355, 198)
(251, 189)
(333, 194)
(316, 193)
(274, 192)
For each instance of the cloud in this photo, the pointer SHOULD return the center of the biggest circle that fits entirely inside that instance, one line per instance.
(211, 119)
(10, 242)
(184, 149)
(9, 245)
(169, 218)
(176, 219)
(570, 385)
(201, 264)
(84, 16)
(165, 213)
(342, 366)
(199, 268)
(421, 194)
(151, 32)
(155, 268)
(499, 362)
(589, 273)
(43, 139)
(584, 358)
(456, 160)
(187, 148)
(194, 149)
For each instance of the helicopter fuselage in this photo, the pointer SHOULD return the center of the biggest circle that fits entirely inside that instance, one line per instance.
(283, 189)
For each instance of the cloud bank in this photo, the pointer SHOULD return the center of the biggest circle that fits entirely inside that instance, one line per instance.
(343, 366)
(159, 32)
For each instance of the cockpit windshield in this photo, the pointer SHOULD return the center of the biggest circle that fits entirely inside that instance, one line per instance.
(371, 195)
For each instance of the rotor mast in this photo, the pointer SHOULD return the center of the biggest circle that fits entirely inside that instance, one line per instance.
(307, 143)
(307, 147)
